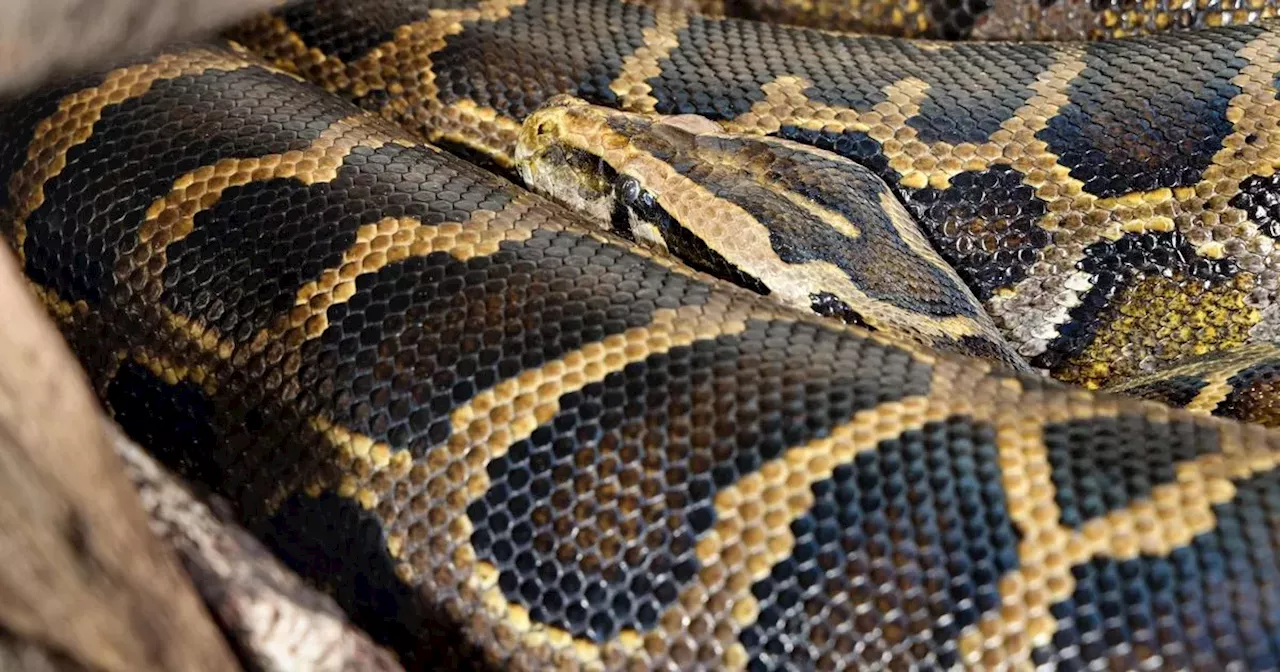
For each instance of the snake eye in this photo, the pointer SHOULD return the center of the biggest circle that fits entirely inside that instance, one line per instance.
(628, 189)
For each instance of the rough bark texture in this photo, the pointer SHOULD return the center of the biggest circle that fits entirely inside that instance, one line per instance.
(83, 582)
(45, 38)
(277, 621)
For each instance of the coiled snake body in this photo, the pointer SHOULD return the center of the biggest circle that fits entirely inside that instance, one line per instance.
(497, 434)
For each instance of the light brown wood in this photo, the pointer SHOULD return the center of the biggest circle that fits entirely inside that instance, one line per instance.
(83, 582)
(278, 622)
(44, 38)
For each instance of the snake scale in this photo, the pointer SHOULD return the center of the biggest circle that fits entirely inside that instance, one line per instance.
(503, 437)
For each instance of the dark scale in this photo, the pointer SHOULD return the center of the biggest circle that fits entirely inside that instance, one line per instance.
(423, 336)
(901, 551)
(138, 148)
(349, 32)
(720, 66)
(1259, 198)
(582, 43)
(1112, 265)
(984, 225)
(1176, 391)
(248, 254)
(176, 422)
(954, 19)
(1163, 127)
(1254, 395)
(1211, 605)
(1105, 464)
(878, 261)
(19, 122)
(592, 520)
(829, 305)
(339, 547)
(681, 242)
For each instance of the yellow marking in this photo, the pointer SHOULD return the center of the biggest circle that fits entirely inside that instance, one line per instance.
(741, 238)
(1215, 371)
(168, 368)
(402, 67)
(921, 164)
(497, 136)
(65, 313)
(752, 532)
(494, 419)
(72, 124)
(388, 241)
(631, 86)
(361, 460)
(1169, 518)
(171, 218)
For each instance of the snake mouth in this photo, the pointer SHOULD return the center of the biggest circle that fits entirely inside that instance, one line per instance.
(550, 164)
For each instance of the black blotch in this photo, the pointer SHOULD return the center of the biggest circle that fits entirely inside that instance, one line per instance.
(1105, 464)
(1164, 126)
(1213, 604)
(1176, 391)
(94, 207)
(248, 255)
(422, 336)
(954, 19)
(1259, 197)
(854, 145)
(829, 305)
(347, 32)
(1254, 395)
(985, 225)
(175, 423)
(583, 45)
(592, 520)
(901, 551)
(337, 546)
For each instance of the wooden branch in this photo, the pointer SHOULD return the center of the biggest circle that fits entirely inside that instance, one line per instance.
(277, 621)
(83, 582)
(40, 39)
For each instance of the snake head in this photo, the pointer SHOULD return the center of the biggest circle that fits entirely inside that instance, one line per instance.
(812, 229)
(610, 165)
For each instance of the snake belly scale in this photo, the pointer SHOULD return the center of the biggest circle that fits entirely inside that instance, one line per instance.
(499, 436)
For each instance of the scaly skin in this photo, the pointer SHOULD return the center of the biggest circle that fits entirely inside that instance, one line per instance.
(1114, 205)
(499, 437)
(1050, 20)
(806, 227)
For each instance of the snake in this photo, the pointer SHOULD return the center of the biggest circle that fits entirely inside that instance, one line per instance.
(1050, 20)
(506, 434)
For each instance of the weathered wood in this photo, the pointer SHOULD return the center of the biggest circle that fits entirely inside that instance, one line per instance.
(44, 38)
(83, 582)
(276, 620)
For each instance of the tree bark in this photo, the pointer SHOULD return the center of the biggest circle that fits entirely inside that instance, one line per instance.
(276, 620)
(40, 39)
(83, 582)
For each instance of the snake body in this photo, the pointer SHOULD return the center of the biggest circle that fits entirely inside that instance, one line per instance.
(498, 435)
(1057, 20)
(1110, 203)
